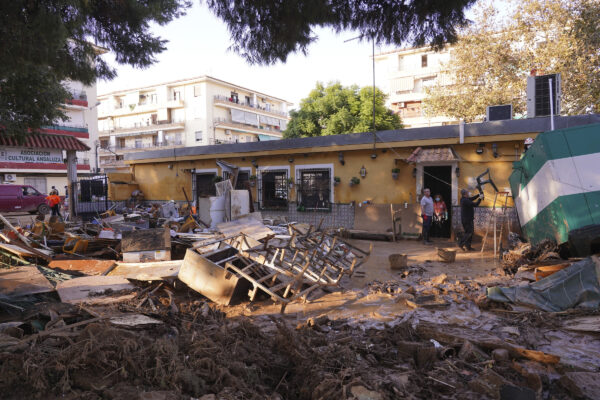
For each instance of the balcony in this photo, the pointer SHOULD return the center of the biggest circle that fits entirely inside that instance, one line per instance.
(149, 128)
(175, 103)
(119, 149)
(77, 101)
(228, 102)
(237, 126)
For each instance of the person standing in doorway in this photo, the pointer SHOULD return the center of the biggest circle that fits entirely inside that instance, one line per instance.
(440, 215)
(467, 215)
(426, 214)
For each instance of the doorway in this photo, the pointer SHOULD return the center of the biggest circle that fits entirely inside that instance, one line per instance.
(439, 180)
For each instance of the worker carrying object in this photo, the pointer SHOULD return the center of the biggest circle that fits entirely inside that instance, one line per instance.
(467, 215)
(426, 214)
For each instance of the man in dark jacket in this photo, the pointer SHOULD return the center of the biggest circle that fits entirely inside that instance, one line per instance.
(467, 215)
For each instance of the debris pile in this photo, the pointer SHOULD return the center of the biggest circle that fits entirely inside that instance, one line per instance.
(153, 307)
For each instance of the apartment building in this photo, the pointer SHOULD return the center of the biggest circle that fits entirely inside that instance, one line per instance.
(404, 75)
(192, 112)
(41, 161)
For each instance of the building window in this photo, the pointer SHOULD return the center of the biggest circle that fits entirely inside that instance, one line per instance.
(176, 95)
(197, 90)
(153, 98)
(424, 61)
(205, 185)
(273, 190)
(198, 136)
(243, 180)
(314, 189)
(400, 63)
(37, 182)
(138, 143)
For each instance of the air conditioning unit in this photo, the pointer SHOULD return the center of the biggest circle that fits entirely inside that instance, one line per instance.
(10, 177)
(498, 113)
(538, 95)
(228, 131)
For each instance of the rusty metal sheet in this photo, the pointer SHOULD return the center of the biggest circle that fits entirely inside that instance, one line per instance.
(207, 278)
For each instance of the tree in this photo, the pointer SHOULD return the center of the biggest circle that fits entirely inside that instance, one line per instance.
(335, 109)
(491, 60)
(268, 31)
(47, 42)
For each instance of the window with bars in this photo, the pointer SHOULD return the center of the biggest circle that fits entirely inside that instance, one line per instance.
(205, 185)
(273, 190)
(314, 189)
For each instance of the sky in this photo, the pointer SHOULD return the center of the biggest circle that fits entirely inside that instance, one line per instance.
(198, 45)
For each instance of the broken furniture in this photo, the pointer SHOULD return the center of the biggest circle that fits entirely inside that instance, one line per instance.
(146, 245)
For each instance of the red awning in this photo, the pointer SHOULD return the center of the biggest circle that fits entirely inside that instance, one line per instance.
(42, 141)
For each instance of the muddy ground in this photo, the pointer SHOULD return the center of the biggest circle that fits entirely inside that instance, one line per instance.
(425, 332)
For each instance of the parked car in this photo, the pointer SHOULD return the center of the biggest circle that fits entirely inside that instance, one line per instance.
(23, 198)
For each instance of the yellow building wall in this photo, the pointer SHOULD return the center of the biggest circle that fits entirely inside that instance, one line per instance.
(165, 180)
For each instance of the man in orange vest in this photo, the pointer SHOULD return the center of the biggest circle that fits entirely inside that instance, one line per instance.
(53, 200)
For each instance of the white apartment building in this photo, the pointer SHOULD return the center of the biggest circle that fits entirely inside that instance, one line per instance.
(191, 112)
(404, 75)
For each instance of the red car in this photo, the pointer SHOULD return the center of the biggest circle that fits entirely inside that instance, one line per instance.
(22, 198)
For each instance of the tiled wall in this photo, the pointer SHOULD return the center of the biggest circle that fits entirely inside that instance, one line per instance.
(483, 218)
(340, 216)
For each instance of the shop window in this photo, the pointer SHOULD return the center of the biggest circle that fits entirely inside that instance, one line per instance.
(273, 190)
(314, 189)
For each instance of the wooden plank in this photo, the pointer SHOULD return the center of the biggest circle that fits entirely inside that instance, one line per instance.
(152, 271)
(95, 290)
(583, 324)
(11, 248)
(146, 240)
(86, 267)
(22, 281)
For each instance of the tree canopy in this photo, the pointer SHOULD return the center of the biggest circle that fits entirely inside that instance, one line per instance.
(490, 62)
(335, 109)
(47, 42)
(268, 31)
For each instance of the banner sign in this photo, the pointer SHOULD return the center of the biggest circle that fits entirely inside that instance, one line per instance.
(30, 155)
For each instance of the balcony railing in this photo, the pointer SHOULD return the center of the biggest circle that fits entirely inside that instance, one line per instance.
(144, 127)
(143, 146)
(246, 127)
(250, 106)
(77, 99)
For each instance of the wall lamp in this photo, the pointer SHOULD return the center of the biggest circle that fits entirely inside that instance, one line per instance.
(495, 150)
(479, 149)
(291, 160)
(373, 156)
(457, 171)
(341, 158)
(254, 163)
(363, 171)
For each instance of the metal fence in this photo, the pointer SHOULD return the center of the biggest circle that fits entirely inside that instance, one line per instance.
(91, 196)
